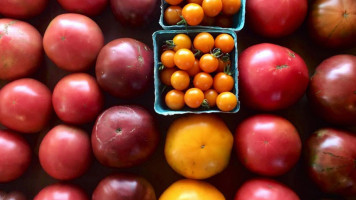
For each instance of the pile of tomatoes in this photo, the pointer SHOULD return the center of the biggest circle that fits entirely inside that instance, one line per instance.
(197, 72)
(201, 12)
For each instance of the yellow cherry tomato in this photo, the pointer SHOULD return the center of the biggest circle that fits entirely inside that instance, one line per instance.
(198, 146)
(193, 14)
(182, 41)
(226, 101)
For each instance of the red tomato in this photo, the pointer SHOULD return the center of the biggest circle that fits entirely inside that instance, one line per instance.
(267, 144)
(61, 191)
(275, 18)
(332, 89)
(332, 22)
(25, 105)
(265, 189)
(22, 9)
(86, 7)
(77, 98)
(65, 152)
(73, 41)
(271, 77)
(20, 48)
(13, 195)
(15, 156)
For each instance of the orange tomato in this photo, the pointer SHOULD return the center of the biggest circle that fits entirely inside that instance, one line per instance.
(173, 2)
(167, 58)
(230, 7)
(198, 146)
(172, 15)
(210, 97)
(195, 69)
(204, 42)
(224, 21)
(187, 189)
(225, 42)
(203, 81)
(195, 1)
(212, 7)
(180, 80)
(223, 82)
(222, 65)
(175, 99)
(226, 101)
(208, 63)
(182, 41)
(184, 59)
(193, 14)
(194, 97)
(166, 74)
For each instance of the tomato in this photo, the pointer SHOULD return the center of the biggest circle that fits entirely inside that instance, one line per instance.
(13, 195)
(225, 42)
(61, 191)
(184, 59)
(180, 80)
(77, 98)
(193, 14)
(203, 81)
(167, 58)
(20, 48)
(191, 189)
(182, 41)
(86, 7)
(223, 82)
(275, 18)
(15, 156)
(73, 41)
(208, 63)
(271, 77)
(224, 21)
(332, 22)
(210, 96)
(17, 97)
(212, 7)
(226, 101)
(22, 9)
(172, 15)
(193, 97)
(265, 189)
(267, 144)
(195, 1)
(204, 42)
(174, 100)
(332, 89)
(173, 2)
(166, 74)
(223, 65)
(198, 146)
(231, 7)
(195, 69)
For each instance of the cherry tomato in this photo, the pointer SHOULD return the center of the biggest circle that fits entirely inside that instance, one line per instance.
(204, 42)
(194, 97)
(225, 42)
(167, 58)
(203, 81)
(174, 2)
(165, 75)
(224, 21)
(195, 69)
(230, 7)
(172, 15)
(184, 59)
(223, 82)
(180, 80)
(195, 1)
(208, 21)
(222, 65)
(193, 14)
(212, 7)
(175, 99)
(226, 101)
(208, 63)
(182, 41)
(210, 97)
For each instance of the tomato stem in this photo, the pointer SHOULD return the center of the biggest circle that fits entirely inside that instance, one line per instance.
(205, 104)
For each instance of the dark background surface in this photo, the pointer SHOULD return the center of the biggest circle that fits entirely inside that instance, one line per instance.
(156, 170)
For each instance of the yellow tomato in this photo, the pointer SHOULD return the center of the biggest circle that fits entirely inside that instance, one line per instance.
(191, 190)
(198, 146)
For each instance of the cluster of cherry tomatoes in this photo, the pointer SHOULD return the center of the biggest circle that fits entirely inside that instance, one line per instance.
(201, 12)
(197, 73)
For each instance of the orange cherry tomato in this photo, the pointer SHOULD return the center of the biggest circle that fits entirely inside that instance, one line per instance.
(193, 14)
(224, 21)
(225, 42)
(172, 15)
(195, 69)
(222, 65)
(203, 81)
(175, 99)
(231, 7)
(210, 96)
(195, 1)
(204, 42)
(226, 101)
(212, 7)
(208, 63)
(194, 97)
(208, 21)
(223, 82)
(184, 59)
(182, 41)
(166, 74)
(180, 80)
(167, 58)
(174, 2)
